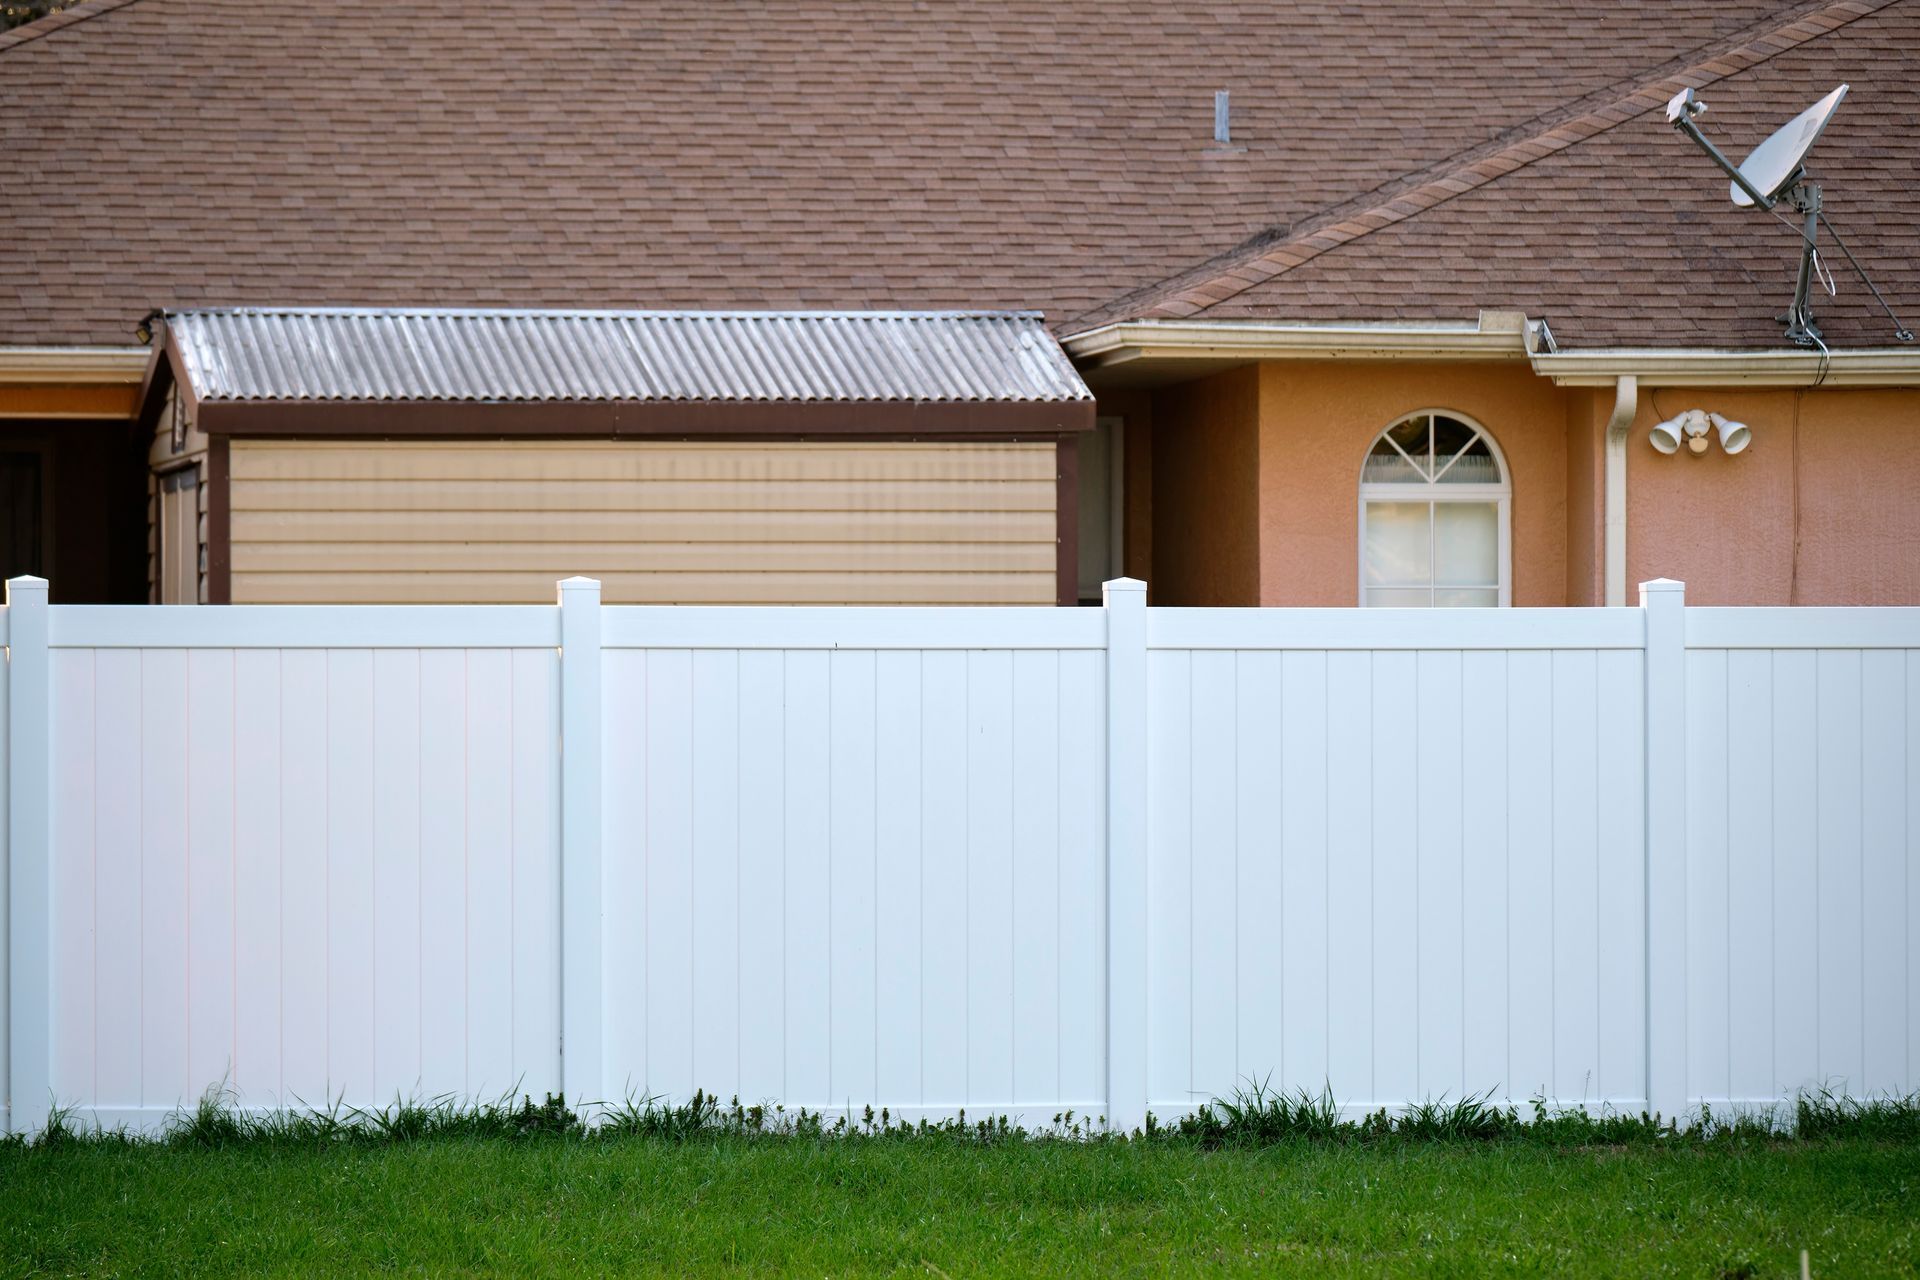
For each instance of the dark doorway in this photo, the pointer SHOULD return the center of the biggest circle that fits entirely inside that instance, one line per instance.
(73, 508)
(23, 516)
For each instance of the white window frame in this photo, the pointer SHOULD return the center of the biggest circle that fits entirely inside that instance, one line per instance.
(1430, 493)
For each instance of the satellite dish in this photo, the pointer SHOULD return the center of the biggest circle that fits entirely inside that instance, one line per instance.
(1775, 174)
(1776, 163)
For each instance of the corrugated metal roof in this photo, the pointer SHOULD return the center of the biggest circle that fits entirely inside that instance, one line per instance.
(370, 354)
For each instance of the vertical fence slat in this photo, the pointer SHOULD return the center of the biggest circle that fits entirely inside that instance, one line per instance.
(1260, 975)
(943, 879)
(668, 920)
(1126, 601)
(1486, 917)
(1796, 867)
(809, 1001)
(583, 887)
(1169, 878)
(257, 876)
(717, 800)
(989, 791)
(303, 880)
(1396, 906)
(397, 992)
(1215, 863)
(898, 837)
(1350, 787)
(1529, 821)
(851, 870)
(1885, 778)
(1751, 849)
(29, 855)
(1664, 602)
(210, 905)
(1036, 877)
(351, 906)
(762, 909)
(74, 887)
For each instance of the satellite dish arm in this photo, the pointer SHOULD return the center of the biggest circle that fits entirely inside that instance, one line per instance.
(1683, 121)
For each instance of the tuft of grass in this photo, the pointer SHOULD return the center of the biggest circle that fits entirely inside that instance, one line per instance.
(214, 1122)
(1824, 1114)
(1258, 1115)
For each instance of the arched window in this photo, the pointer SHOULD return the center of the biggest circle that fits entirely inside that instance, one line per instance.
(1433, 516)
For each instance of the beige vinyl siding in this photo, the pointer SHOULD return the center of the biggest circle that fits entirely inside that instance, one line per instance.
(707, 523)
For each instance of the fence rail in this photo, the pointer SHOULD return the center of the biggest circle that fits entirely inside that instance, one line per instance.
(1016, 861)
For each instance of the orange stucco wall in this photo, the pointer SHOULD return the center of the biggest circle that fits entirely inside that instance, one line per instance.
(1206, 490)
(1587, 414)
(1317, 420)
(1822, 508)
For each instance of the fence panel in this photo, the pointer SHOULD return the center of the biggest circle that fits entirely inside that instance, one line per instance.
(308, 875)
(1803, 867)
(1394, 871)
(1012, 861)
(858, 862)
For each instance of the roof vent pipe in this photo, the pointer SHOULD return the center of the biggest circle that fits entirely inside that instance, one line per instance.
(1222, 126)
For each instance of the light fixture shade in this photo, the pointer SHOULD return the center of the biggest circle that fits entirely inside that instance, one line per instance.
(1665, 436)
(1734, 436)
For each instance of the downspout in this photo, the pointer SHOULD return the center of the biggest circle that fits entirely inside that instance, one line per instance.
(1626, 403)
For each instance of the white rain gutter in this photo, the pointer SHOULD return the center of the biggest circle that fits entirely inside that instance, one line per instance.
(1886, 367)
(1626, 403)
(71, 366)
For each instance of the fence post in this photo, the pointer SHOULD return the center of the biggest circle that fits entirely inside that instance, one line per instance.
(582, 888)
(1126, 610)
(29, 898)
(1664, 602)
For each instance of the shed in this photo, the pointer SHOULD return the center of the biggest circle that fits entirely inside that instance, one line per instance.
(341, 455)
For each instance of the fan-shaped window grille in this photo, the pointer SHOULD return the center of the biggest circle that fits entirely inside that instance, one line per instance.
(1434, 496)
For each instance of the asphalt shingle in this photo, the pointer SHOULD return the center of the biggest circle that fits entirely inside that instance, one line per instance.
(1051, 154)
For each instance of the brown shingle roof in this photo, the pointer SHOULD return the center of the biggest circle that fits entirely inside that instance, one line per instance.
(1610, 224)
(1030, 153)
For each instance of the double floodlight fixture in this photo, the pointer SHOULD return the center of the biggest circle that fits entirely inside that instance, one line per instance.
(1692, 428)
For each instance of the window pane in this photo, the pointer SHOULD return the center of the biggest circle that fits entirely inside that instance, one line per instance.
(1450, 436)
(1466, 538)
(1397, 544)
(1399, 598)
(1475, 465)
(1386, 466)
(1467, 597)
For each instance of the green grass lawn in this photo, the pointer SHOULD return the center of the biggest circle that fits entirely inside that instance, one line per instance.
(931, 1206)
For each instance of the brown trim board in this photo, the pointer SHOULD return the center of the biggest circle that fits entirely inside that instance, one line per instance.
(219, 524)
(1066, 517)
(615, 419)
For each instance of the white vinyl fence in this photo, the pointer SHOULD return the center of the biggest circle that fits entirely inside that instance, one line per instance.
(1014, 861)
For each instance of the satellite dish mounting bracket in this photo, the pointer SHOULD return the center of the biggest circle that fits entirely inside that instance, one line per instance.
(1804, 198)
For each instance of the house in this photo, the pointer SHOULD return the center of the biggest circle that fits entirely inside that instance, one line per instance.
(1358, 306)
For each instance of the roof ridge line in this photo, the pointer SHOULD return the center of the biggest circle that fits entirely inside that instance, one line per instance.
(1228, 275)
(59, 20)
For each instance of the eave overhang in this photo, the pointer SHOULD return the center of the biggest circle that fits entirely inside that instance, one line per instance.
(1154, 352)
(72, 366)
(96, 383)
(1147, 352)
